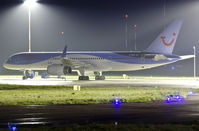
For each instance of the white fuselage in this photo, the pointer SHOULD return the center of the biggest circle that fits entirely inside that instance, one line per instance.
(94, 61)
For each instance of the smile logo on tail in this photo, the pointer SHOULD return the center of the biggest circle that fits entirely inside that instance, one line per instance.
(170, 43)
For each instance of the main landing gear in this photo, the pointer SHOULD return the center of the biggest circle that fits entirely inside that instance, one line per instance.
(100, 77)
(83, 78)
(28, 74)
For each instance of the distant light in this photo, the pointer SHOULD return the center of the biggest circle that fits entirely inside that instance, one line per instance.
(173, 68)
(30, 3)
(135, 25)
(191, 92)
(126, 16)
(62, 33)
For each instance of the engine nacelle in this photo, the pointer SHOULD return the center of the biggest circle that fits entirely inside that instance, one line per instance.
(58, 69)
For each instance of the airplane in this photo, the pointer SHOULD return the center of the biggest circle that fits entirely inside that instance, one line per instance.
(95, 63)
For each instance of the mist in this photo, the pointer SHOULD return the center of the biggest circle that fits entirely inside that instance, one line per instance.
(99, 25)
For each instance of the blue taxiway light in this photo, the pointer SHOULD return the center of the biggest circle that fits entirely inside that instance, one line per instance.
(173, 98)
(12, 127)
(117, 101)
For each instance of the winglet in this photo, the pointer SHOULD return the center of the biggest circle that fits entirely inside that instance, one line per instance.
(64, 51)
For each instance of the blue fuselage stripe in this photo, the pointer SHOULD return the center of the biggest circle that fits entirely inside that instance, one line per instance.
(31, 58)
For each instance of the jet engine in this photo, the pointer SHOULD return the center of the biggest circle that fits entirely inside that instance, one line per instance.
(58, 69)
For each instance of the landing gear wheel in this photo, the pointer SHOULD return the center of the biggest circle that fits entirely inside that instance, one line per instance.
(99, 77)
(45, 75)
(28, 74)
(24, 78)
(83, 78)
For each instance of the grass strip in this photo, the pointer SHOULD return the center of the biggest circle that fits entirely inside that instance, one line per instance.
(47, 95)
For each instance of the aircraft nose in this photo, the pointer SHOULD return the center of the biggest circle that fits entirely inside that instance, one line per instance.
(5, 64)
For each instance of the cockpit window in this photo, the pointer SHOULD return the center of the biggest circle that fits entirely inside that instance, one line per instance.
(9, 61)
(29, 58)
(14, 59)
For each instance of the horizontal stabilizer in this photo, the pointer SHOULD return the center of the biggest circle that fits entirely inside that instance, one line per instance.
(186, 57)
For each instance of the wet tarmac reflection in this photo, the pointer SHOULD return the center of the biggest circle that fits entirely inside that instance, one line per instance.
(57, 115)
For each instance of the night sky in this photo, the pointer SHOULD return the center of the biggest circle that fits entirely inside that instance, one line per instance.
(99, 25)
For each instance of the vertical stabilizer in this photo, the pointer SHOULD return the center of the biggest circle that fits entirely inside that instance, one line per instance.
(166, 40)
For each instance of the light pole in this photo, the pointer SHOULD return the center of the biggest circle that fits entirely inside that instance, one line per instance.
(126, 29)
(29, 4)
(135, 35)
(194, 49)
(164, 11)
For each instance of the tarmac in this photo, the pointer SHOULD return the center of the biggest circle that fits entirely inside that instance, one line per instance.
(135, 82)
(160, 112)
(155, 112)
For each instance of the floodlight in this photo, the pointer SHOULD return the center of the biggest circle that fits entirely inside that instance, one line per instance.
(30, 3)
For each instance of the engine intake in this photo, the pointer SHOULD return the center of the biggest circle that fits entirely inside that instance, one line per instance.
(58, 69)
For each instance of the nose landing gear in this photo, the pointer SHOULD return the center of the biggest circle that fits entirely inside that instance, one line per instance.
(28, 74)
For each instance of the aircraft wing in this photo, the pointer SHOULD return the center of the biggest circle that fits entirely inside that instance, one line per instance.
(76, 64)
